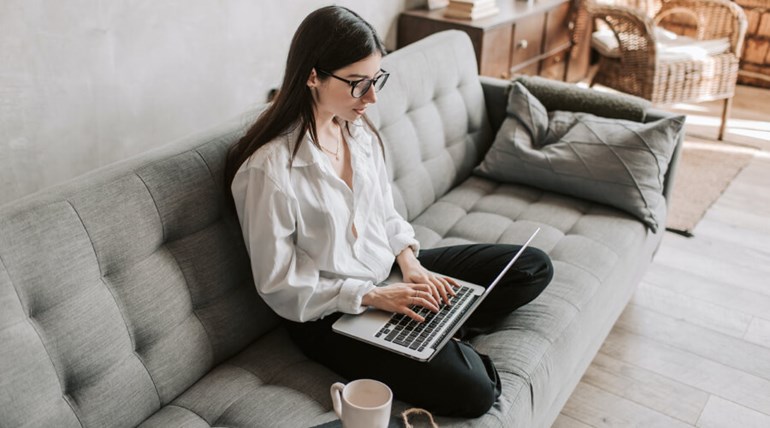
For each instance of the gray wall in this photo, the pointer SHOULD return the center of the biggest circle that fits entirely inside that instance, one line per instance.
(84, 83)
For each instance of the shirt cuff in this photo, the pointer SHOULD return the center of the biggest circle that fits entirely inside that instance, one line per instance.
(399, 242)
(351, 294)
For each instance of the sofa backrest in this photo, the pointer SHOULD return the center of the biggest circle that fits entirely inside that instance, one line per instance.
(432, 119)
(122, 288)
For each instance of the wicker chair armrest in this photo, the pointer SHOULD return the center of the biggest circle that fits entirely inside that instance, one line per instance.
(632, 28)
(714, 19)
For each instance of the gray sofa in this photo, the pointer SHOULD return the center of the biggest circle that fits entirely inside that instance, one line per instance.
(126, 296)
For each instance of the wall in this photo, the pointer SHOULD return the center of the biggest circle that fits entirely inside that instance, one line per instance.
(84, 83)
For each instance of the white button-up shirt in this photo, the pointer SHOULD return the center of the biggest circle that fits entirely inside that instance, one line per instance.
(298, 221)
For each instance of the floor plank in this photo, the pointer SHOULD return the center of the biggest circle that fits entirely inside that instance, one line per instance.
(748, 189)
(720, 267)
(646, 388)
(722, 251)
(689, 369)
(739, 216)
(759, 332)
(598, 408)
(735, 234)
(692, 310)
(701, 342)
(721, 413)
(564, 421)
(707, 289)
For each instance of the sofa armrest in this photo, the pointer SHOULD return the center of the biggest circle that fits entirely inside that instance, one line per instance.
(496, 99)
(557, 95)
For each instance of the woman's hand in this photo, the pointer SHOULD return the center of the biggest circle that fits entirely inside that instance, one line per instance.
(413, 272)
(401, 297)
(440, 287)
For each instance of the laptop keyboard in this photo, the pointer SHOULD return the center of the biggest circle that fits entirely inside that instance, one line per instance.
(414, 335)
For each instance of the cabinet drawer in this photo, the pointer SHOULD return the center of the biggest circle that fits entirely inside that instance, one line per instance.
(527, 40)
(554, 66)
(495, 61)
(557, 28)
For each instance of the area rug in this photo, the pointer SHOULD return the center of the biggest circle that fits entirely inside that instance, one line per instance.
(705, 170)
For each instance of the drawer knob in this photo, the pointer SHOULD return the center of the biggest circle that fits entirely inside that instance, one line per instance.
(571, 25)
(523, 44)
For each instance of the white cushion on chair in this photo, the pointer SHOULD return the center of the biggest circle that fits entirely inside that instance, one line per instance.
(671, 47)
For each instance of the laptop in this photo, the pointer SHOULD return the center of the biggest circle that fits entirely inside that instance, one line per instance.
(420, 341)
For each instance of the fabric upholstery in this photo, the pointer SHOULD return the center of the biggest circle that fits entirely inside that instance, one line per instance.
(126, 296)
(593, 248)
(432, 119)
(617, 162)
(568, 97)
(135, 276)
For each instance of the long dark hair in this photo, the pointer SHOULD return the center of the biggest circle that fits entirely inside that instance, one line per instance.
(329, 38)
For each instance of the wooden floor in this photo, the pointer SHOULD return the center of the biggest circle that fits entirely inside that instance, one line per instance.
(693, 346)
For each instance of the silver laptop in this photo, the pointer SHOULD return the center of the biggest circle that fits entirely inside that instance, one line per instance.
(421, 341)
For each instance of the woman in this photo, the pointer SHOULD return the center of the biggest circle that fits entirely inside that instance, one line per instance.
(314, 201)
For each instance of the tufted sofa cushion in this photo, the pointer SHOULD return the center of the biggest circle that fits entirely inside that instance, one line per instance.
(123, 288)
(432, 119)
(594, 249)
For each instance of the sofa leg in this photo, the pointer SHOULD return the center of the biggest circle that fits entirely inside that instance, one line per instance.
(725, 113)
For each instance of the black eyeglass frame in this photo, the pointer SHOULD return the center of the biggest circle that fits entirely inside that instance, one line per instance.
(353, 83)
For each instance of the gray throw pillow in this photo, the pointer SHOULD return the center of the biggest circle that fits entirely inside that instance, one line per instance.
(616, 162)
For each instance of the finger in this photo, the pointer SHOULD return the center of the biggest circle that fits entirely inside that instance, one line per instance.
(413, 315)
(441, 289)
(450, 286)
(426, 304)
(433, 289)
(448, 291)
(424, 290)
(452, 282)
(432, 294)
(417, 297)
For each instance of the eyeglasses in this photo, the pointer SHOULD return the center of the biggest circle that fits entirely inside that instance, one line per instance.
(360, 87)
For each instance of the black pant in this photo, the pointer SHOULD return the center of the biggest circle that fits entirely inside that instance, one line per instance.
(458, 381)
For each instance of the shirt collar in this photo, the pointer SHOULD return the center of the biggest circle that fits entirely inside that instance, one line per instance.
(308, 154)
(363, 140)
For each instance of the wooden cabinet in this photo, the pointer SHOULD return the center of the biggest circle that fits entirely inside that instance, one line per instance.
(755, 60)
(526, 37)
(527, 46)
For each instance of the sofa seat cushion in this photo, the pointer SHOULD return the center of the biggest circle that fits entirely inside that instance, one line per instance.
(595, 250)
(482, 210)
(270, 383)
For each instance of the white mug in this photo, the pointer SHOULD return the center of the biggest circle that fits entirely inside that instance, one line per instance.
(363, 403)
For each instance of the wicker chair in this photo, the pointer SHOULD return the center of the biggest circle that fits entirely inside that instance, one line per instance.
(638, 68)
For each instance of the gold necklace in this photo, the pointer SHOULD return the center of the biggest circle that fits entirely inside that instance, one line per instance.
(335, 153)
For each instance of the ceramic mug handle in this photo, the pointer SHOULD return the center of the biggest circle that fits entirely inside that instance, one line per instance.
(336, 391)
